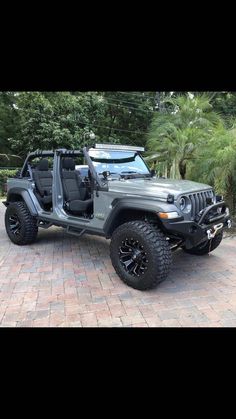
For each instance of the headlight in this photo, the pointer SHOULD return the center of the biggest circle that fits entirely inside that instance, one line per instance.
(185, 204)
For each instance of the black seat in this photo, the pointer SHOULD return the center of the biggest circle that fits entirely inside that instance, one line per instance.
(74, 190)
(43, 180)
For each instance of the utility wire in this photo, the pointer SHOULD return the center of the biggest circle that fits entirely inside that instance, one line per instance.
(116, 129)
(125, 101)
(120, 129)
(130, 107)
(125, 107)
(138, 94)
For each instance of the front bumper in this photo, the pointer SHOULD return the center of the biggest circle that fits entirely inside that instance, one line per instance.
(195, 232)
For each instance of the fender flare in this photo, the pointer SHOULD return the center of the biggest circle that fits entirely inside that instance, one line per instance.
(24, 194)
(146, 205)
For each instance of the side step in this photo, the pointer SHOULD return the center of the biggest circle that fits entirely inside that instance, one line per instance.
(75, 231)
(44, 224)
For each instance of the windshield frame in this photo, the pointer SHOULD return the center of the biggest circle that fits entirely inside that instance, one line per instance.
(125, 174)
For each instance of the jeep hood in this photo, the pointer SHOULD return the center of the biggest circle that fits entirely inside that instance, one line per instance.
(155, 187)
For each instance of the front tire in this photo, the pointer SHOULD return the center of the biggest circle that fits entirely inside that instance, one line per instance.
(140, 254)
(205, 248)
(21, 226)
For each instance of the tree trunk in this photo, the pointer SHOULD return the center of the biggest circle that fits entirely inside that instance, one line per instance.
(229, 196)
(182, 168)
(113, 117)
(168, 169)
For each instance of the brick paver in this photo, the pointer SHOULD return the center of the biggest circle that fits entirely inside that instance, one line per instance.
(62, 281)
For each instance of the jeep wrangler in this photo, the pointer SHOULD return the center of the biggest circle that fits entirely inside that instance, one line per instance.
(108, 190)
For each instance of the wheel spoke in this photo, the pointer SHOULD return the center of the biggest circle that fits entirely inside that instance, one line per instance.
(133, 257)
(125, 253)
(134, 270)
(125, 258)
(14, 224)
(127, 263)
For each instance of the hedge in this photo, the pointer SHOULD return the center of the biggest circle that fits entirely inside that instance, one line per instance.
(4, 175)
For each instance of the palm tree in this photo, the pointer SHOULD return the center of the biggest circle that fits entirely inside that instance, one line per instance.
(222, 167)
(179, 133)
(216, 164)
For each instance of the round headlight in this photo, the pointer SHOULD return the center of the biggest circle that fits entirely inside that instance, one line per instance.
(185, 204)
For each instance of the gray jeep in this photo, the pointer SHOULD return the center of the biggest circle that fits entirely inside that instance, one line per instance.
(108, 190)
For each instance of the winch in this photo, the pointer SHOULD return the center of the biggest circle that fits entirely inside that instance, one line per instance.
(212, 232)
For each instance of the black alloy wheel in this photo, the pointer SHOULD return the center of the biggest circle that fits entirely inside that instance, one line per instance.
(133, 256)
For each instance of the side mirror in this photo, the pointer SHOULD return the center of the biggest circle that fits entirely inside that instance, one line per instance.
(106, 173)
(153, 172)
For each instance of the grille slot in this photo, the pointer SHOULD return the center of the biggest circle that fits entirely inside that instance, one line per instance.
(198, 201)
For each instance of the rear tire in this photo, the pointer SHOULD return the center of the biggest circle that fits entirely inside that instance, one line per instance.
(140, 254)
(205, 248)
(21, 226)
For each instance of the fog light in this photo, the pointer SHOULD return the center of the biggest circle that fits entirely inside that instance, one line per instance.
(226, 211)
(229, 222)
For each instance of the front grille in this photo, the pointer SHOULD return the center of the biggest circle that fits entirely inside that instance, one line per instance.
(198, 201)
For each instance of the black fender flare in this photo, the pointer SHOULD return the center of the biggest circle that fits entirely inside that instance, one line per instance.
(139, 204)
(24, 194)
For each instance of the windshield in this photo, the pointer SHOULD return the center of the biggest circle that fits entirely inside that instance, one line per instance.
(118, 162)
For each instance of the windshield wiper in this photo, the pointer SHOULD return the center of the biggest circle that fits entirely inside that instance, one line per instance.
(111, 173)
(132, 173)
(128, 171)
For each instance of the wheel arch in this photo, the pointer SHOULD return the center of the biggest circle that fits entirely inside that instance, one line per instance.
(125, 210)
(21, 195)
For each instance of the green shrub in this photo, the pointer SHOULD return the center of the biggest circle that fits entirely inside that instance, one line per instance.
(4, 175)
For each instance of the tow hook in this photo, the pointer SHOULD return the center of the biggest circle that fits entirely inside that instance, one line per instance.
(229, 223)
(212, 232)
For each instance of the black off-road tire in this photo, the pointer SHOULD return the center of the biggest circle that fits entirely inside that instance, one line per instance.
(20, 225)
(157, 250)
(205, 248)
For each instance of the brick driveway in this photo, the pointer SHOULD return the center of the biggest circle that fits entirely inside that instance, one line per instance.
(64, 281)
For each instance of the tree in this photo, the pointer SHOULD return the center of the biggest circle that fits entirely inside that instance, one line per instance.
(126, 117)
(216, 164)
(9, 125)
(66, 119)
(52, 120)
(179, 132)
(225, 104)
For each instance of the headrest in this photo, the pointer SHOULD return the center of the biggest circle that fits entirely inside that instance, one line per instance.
(68, 163)
(42, 165)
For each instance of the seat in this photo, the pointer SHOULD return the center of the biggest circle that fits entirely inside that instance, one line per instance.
(43, 180)
(74, 190)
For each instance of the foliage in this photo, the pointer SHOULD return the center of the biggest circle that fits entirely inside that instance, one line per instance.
(53, 119)
(191, 135)
(196, 142)
(9, 122)
(225, 104)
(178, 134)
(4, 175)
(66, 119)
(127, 117)
(216, 164)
